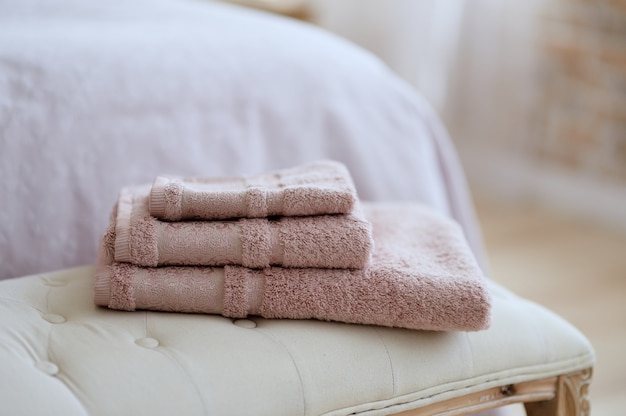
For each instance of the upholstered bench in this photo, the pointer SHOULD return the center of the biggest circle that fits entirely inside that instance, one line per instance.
(62, 355)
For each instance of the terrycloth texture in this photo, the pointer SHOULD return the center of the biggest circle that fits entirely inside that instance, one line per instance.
(422, 276)
(323, 187)
(325, 241)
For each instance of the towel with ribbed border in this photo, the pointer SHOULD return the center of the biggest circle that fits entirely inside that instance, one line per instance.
(422, 276)
(315, 188)
(321, 241)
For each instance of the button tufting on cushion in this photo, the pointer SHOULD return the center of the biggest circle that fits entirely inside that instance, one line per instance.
(147, 342)
(245, 323)
(54, 318)
(47, 367)
(213, 367)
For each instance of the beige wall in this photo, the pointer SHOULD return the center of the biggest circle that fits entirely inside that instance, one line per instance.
(533, 92)
(538, 106)
(582, 112)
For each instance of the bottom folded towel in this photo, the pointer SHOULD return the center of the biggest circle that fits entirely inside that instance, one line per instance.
(422, 276)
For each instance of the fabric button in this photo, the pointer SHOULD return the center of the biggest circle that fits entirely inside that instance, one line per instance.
(47, 367)
(54, 318)
(245, 323)
(147, 342)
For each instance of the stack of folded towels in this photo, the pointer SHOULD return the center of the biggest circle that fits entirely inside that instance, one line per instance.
(293, 244)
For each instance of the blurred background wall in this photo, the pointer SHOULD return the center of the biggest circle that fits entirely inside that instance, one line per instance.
(533, 92)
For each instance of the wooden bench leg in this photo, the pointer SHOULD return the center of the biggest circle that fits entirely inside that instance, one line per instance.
(565, 395)
(571, 397)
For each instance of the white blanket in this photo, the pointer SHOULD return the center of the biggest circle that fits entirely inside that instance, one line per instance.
(95, 96)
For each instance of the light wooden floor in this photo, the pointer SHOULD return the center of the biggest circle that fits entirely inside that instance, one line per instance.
(577, 270)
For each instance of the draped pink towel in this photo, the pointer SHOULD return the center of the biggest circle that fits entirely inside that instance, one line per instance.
(322, 187)
(323, 241)
(422, 276)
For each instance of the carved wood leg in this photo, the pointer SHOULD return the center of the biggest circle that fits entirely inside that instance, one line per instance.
(571, 397)
(565, 395)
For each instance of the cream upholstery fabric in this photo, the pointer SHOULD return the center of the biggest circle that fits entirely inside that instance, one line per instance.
(61, 355)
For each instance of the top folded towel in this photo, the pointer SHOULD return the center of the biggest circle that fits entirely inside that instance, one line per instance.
(323, 187)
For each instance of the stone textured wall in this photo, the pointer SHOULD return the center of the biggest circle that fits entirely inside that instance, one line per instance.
(581, 113)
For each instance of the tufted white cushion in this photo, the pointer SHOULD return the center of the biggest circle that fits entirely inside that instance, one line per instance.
(60, 354)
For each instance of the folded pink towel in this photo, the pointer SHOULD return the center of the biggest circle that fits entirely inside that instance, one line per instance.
(323, 187)
(325, 241)
(422, 276)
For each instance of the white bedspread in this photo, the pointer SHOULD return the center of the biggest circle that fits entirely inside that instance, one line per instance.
(95, 96)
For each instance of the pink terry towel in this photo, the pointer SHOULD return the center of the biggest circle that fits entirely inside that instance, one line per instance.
(323, 187)
(324, 241)
(422, 276)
